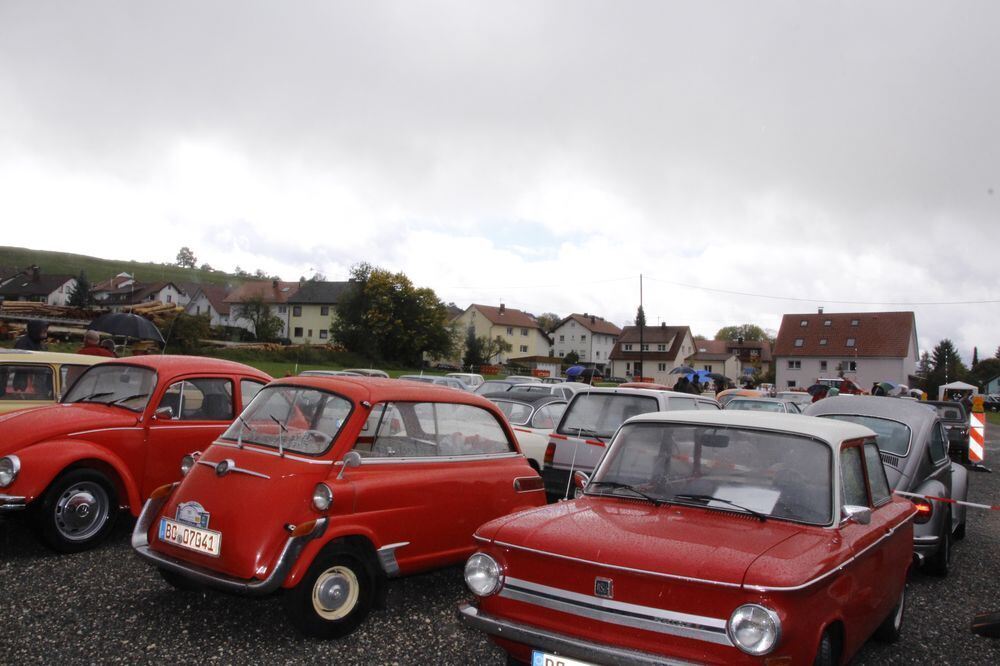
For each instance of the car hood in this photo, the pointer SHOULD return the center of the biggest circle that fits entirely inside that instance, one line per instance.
(692, 542)
(26, 427)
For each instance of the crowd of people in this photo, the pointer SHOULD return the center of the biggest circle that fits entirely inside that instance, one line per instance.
(36, 337)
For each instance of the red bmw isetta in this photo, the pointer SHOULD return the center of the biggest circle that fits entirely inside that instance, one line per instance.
(119, 432)
(708, 537)
(329, 486)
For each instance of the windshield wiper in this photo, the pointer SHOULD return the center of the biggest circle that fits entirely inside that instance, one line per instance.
(584, 432)
(712, 498)
(99, 394)
(657, 501)
(128, 397)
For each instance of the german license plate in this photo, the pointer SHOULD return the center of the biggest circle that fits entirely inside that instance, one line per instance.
(207, 542)
(546, 659)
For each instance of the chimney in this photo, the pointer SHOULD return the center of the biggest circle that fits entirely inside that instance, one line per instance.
(35, 273)
(274, 283)
(501, 308)
(821, 309)
(663, 324)
(593, 319)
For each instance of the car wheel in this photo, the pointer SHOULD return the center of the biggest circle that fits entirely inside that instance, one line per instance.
(826, 653)
(335, 595)
(77, 511)
(891, 628)
(179, 582)
(939, 563)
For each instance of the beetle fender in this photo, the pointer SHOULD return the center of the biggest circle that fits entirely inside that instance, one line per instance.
(353, 532)
(959, 491)
(937, 489)
(42, 463)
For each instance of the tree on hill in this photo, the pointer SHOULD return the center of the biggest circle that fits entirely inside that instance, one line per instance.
(749, 333)
(383, 316)
(186, 258)
(266, 326)
(79, 295)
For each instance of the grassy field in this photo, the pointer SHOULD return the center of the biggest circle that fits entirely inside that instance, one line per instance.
(993, 418)
(100, 269)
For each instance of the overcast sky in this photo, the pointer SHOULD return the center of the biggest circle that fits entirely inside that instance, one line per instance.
(542, 154)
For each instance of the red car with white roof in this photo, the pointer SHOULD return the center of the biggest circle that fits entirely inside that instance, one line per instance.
(329, 486)
(708, 537)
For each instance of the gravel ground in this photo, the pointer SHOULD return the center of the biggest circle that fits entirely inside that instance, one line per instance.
(105, 606)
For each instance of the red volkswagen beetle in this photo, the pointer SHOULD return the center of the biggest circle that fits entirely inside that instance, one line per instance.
(708, 537)
(329, 486)
(118, 433)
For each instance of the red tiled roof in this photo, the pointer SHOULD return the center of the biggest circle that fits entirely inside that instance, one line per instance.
(875, 334)
(592, 323)
(508, 317)
(272, 291)
(710, 356)
(216, 295)
(651, 335)
(711, 346)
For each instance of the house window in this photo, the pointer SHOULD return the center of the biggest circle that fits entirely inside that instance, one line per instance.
(852, 366)
(562, 338)
(794, 365)
(561, 354)
(310, 333)
(822, 342)
(169, 298)
(282, 309)
(324, 310)
(822, 365)
(627, 347)
(296, 310)
(754, 352)
(804, 322)
(791, 383)
(645, 348)
(510, 330)
(828, 322)
(524, 331)
(706, 368)
(662, 367)
(298, 332)
(799, 342)
(197, 309)
(323, 334)
(855, 322)
(524, 348)
(850, 342)
(597, 354)
(661, 348)
(582, 338)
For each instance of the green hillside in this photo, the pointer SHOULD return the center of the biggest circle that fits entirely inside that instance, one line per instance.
(100, 269)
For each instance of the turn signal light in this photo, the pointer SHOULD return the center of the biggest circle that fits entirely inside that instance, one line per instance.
(550, 453)
(304, 529)
(924, 510)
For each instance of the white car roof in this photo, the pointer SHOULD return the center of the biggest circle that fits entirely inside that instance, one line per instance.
(828, 430)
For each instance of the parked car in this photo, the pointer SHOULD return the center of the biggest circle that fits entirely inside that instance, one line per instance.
(590, 420)
(330, 373)
(447, 367)
(708, 537)
(523, 379)
(328, 487)
(496, 385)
(991, 402)
(120, 431)
(369, 372)
(801, 397)
(552, 380)
(914, 450)
(449, 382)
(764, 405)
(533, 415)
(35, 379)
(725, 396)
(956, 424)
(565, 390)
(470, 379)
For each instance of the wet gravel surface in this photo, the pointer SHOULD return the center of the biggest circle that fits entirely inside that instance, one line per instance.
(105, 606)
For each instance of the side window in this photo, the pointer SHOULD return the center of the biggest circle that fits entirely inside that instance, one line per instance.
(426, 429)
(26, 382)
(248, 389)
(876, 475)
(675, 404)
(547, 417)
(202, 399)
(854, 491)
(706, 405)
(938, 447)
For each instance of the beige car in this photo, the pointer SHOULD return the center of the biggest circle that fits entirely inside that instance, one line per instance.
(33, 378)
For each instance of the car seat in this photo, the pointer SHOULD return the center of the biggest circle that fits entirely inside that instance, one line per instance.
(217, 407)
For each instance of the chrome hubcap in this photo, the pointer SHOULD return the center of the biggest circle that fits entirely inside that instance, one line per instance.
(335, 593)
(81, 510)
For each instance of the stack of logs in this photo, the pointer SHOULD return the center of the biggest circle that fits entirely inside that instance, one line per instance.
(44, 311)
(161, 314)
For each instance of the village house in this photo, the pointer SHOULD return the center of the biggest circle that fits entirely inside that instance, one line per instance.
(518, 328)
(131, 292)
(273, 293)
(866, 347)
(33, 285)
(715, 356)
(591, 337)
(210, 300)
(312, 310)
(662, 348)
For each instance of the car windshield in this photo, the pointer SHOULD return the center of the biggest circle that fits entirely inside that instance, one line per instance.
(493, 386)
(893, 436)
(600, 414)
(773, 475)
(126, 386)
(293, 418)
(755, 405)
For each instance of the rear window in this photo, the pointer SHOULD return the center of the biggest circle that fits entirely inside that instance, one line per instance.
(600, 414)
(893, 436)
(950, 412)
(755, 406)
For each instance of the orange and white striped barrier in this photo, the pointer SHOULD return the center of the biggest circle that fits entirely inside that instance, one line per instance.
(977, 431)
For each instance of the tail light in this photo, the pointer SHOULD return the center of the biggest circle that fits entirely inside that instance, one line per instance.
(924, 510)
(550, 453)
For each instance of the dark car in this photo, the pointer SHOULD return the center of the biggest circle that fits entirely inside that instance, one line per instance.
(914, 450)
(956, 424)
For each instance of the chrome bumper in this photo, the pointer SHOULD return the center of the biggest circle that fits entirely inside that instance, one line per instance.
(561, 644)
(11, 503)
(286, 560)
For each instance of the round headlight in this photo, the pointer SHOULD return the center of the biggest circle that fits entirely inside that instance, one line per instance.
(187, 462)
(483, 575)
(754, 629)
(9, 467)
(322, 497)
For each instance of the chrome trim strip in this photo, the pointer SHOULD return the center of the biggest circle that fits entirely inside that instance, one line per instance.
(282, 566)
(926, 540)
(480, 539)
(644, 572)
(11, 503)
(438, 459)
(87, 432)
(233, 468)
(557, 643)
(387, 558)
(269, 452)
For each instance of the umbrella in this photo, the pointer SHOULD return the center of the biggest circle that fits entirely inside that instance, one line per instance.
(817, 389)
(128, 325)
(682, 370)
(574, 370)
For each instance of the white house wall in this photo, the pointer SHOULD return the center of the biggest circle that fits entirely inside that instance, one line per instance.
(869, 371)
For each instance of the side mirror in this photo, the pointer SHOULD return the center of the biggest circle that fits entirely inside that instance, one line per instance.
(351, 459)
(861, 515)
(163, 413)
(580, 481)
